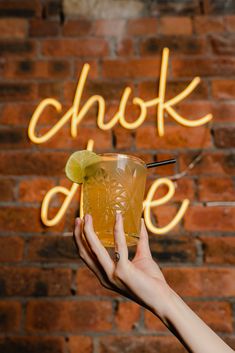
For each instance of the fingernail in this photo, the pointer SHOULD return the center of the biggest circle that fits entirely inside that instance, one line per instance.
(77, 221)
(87, 217)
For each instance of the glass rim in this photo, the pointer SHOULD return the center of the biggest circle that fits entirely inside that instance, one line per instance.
(124, 156)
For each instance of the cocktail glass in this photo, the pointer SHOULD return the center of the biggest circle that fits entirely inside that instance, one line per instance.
(116, 183)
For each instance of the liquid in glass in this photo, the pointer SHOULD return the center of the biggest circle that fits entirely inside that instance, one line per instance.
(115, 183)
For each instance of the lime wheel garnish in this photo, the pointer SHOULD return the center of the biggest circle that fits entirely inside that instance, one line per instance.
(76, 164)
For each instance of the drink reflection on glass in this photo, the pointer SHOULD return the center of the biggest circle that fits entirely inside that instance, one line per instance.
(115, 183)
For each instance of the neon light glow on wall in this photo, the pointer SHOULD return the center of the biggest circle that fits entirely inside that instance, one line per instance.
(76, 113)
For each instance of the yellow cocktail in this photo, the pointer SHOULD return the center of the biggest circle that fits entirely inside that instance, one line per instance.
(115, 183)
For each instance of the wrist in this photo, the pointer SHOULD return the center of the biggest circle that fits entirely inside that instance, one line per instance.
(164, 305)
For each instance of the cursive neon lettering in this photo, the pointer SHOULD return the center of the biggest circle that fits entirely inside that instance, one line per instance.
(76, 114)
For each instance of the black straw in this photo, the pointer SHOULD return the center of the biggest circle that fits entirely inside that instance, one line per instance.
(158, 164)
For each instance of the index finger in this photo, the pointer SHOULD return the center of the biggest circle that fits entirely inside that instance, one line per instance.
(97, 247)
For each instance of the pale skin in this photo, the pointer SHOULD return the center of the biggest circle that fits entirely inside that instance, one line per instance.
(142, 281)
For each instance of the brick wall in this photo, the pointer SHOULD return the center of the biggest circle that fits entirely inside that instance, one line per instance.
(49, 301)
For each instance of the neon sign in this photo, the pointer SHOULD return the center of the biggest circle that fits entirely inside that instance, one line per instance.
(77, 113)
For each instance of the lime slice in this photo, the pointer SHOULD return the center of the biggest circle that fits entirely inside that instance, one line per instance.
(76, 164)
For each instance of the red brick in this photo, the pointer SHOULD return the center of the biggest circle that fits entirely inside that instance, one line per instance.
(50, 90)
(201, 282)
(175, 137)
(18, 113)
(37, 69)
(149, 181)
(25, 219)
(123, 138)
(11, 249)
(217, 315)
(63, 139)
(230, 23)
(94, 71)
(164, 215)
(176, 25)
(75, 28)
(177, 249)
(217, 218)
(81, 344)
(69, 93)
(223, 44)
(153, 323)
(210, 164)
(32, 344)
(208, 24)
(138, 344)
(42, 28)
(131, 113)
(223, 111)
(75, 47)
(2, 65)
(17, 49)
(127, 316)
(70, 316)
(197, 108)
(223, 89)
(35, 282)
(13, 138)
(7, 187)
(59, 198)
(33, 190)
(23, 8)
(64, 181)
(69, 218)
(184, 188)
(134, 68)
(50, 116)
(147, 157)
(191, 67)
(224, 137)
(37, 163)
(52, 249)
(149, 90)
(216, 189)
(17, 91)
(142, 26)
(125, 47)
(109, 28)
(110, 91)
(165, 170)
(71, 213)
(219, 250)
(186, 45)
(53, 9)
(10, 313)
(13, 28)
(88, 284)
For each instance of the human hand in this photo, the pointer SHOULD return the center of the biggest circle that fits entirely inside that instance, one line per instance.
(140, 279)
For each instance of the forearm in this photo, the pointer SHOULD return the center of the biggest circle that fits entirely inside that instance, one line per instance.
(193, 333)
(142, 280)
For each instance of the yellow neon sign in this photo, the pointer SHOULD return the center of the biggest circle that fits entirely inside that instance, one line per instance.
(147, 205)
(69, 194)
(76, 114)
(150, 203)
